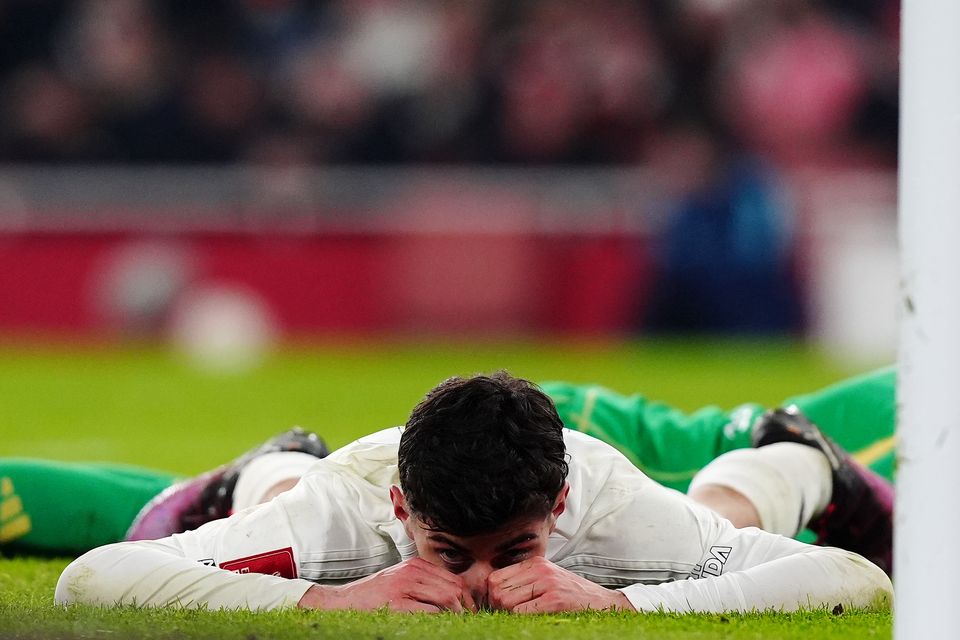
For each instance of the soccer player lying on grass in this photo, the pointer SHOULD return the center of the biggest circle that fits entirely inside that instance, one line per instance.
(767, 487)
(483, 499)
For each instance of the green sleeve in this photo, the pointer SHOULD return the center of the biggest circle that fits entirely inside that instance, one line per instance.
(665, 443)
(670, 446)
(68, 508)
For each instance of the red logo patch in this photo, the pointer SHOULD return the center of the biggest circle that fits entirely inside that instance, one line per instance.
(275, 563)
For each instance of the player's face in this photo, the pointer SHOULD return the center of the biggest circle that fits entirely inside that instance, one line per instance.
(474, 558)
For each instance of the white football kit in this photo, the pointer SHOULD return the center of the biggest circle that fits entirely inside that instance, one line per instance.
(620, 529)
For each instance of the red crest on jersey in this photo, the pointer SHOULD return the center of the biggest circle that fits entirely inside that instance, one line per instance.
(277, 563)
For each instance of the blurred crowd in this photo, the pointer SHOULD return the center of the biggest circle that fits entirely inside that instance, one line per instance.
(800, 82)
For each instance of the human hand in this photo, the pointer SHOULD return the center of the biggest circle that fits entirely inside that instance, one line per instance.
(537, 585)
(412, 585)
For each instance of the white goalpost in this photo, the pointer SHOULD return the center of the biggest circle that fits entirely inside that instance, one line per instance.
(927, 548)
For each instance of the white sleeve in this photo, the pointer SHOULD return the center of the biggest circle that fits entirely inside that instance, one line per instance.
(155, 573)
(752, 570)
(666, 552)
(251, 560)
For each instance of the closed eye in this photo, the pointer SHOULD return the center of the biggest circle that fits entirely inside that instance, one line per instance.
(452, 556)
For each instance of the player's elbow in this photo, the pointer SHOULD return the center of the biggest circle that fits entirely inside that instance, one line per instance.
(70, 588)
(80, 582)
(884, 589)
(872, 587)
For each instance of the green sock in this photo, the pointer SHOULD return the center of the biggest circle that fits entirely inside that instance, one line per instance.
(67, 507)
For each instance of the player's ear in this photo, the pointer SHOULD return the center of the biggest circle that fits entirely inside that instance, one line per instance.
(399, 504)
(401, 511)
(560, 504)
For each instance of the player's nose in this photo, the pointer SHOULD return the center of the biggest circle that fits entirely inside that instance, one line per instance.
(475, 580)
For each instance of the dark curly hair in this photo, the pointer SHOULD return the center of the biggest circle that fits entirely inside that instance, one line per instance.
(480, 452)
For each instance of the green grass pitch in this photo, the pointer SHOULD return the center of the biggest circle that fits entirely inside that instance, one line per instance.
(142, 405)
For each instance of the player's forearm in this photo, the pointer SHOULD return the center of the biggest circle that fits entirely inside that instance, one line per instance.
(819, 577)
(150, 574)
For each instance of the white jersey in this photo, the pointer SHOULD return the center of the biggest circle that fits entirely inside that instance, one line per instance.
(620, 529)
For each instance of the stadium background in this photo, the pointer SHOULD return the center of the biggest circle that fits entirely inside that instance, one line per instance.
(467, 169)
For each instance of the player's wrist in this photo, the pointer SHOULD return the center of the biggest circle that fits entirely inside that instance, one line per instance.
(318, 597)
(621, 602)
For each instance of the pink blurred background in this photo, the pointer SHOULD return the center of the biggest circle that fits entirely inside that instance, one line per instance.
(455, 168)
